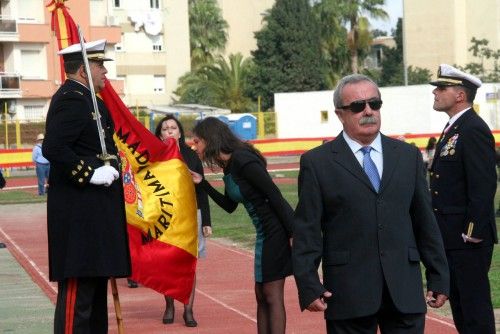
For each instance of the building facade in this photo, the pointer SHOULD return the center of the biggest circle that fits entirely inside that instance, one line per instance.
(148, 39)
(438, 32)
(30, 71)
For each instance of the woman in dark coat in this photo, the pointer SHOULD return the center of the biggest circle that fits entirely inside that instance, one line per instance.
(170, 127)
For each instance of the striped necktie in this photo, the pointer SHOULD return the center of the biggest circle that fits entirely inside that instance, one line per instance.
(370, 167)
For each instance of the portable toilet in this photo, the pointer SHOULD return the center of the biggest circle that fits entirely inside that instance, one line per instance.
(223, 118)
(243, 125)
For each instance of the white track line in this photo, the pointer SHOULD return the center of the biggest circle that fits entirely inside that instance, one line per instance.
(28, 259)
(231, 249)
(215, 300)
(442, 322)
(20, 187)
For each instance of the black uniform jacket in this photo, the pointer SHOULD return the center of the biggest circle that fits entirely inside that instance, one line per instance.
(362, 237)
(463, 183)
(85, 222)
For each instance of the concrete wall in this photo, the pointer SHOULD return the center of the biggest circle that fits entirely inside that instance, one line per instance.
(406, 110)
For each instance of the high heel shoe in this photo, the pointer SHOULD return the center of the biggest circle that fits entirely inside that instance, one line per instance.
(189, 320)
(168, 315)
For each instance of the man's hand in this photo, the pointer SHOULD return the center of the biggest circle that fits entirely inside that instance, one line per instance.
(104, 175)
(435, 299)
(319, 304)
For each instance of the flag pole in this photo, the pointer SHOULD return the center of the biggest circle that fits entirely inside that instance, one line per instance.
(105, 157)
(118, 308)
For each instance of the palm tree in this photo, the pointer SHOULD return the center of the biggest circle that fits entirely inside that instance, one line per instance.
(220, 84)
(333, 41)
(207, 29)
(352, 12)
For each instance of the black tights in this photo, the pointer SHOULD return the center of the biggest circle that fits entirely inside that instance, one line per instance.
(271, 314)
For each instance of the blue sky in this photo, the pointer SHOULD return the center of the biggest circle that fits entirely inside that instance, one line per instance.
(395, 9)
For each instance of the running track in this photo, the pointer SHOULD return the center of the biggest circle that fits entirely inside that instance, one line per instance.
(225, 301)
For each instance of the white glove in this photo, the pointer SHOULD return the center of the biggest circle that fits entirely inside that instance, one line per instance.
(104, 175)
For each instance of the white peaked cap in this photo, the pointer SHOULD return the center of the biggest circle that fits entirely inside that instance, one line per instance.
(450, 76)
(95, 51)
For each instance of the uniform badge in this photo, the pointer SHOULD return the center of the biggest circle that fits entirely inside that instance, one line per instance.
(449, 147)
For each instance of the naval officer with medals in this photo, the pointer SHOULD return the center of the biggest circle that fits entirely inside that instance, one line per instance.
(463, 183)
(85, 208)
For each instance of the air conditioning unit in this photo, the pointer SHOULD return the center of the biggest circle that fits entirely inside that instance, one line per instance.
(111, 20)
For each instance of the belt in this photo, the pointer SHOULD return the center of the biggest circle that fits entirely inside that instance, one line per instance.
(41, 163)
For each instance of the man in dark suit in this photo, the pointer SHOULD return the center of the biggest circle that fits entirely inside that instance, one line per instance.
(368, 218)
(85, 208)
(463, 185)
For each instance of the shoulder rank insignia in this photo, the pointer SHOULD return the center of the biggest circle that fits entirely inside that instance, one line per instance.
(73, 91)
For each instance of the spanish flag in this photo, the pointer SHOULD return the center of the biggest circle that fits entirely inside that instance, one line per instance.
(159, 193)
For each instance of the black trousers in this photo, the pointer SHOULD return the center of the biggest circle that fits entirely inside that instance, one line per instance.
(470, 296)
(388, 319)
(82, 306)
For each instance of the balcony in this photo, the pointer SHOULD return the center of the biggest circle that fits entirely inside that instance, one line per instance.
(10, 85)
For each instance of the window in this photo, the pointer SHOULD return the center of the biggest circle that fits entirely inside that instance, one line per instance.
(154, 4)
(157, 43)
(159, 84)
(118, 47)
(33, 112)
(116, 3)
(31, 60)
(324, 116)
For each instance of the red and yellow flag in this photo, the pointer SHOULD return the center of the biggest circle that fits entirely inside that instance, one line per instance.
(159, 193)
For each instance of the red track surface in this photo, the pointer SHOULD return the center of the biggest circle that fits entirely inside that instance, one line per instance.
(224, 303)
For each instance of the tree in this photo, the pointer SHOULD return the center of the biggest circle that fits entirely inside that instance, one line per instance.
(207, 30)
(288, 56)
(333, 36)
(392, 64)
(353, 11)
(480, 49)
(220, 84)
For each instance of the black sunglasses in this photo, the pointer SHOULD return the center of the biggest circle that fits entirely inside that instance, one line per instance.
(359, 106)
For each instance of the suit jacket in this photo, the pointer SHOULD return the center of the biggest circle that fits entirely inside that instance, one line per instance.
(362, 237)
(85, 223)
(463, 183)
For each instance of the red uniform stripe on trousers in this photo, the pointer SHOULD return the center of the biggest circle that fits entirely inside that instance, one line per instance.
(70, 304)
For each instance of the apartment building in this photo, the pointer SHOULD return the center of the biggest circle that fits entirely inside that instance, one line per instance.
(154, 51)
(29, 65)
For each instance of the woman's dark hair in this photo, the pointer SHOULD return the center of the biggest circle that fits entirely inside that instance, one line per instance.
(220, 139)
(182, 138)
(431, 143)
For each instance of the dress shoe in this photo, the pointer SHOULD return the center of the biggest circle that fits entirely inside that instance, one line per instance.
(189, 320)
(131, 284)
